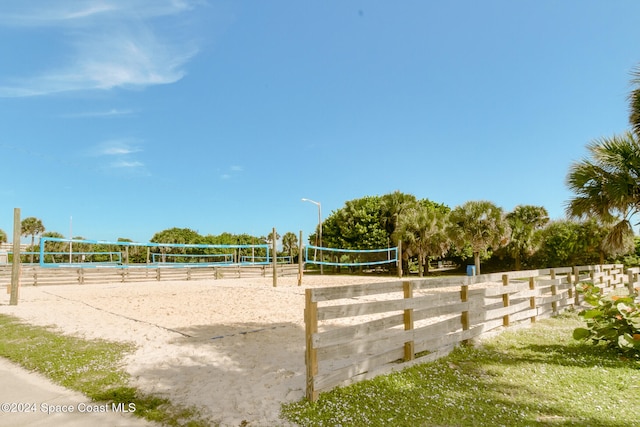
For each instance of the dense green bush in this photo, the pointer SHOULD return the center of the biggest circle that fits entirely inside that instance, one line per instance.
(613, 320)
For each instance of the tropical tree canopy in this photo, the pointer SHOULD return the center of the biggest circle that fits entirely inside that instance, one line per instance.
(479, 224)
(355, 226)
(177, 235)
(422, 229)
(634, 103)
(569, 242)
(31, 226)
(369, 222)
(290, 244)
(525, 221)
(56, 246)
(392, 206)
(607, 186)
(3, 236)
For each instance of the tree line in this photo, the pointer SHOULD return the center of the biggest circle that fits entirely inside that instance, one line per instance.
(598, 225)
(475, 232)
(597, 229)
(33, 227)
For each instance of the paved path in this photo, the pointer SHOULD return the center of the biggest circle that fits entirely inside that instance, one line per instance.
(21, 391)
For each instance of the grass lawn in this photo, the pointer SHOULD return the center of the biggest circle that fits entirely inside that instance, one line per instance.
(92, 367)
(539, 376)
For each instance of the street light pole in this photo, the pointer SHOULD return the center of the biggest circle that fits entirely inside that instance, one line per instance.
(319, 226)
(70, 239)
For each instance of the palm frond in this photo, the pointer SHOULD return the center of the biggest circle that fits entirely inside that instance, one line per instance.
(619, 240)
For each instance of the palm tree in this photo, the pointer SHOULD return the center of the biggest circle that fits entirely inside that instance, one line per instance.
(423, 229)
(392, 206)
(481, 225)
(3, 236)
(54, 246)
(289, 243)
(31, 226)
(634, 103)
(607, 186)
(524, 221)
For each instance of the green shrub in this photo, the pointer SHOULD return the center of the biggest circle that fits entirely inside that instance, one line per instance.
(613, 320)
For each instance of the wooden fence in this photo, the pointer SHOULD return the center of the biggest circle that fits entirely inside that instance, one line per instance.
(33, 275)
(361, 331)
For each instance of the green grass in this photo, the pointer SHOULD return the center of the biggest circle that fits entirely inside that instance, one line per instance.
(92, 367)
(538, 376)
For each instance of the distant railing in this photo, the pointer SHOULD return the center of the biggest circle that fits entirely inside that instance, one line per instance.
(357, 332)
(33, 275)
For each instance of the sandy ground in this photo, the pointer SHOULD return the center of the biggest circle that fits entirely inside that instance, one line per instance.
(234, 348)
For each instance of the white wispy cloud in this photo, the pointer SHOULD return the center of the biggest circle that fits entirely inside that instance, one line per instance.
(114, 112)
(117, 147)
(126, 164)
(120, 154)
(109, 44)
(232, 172)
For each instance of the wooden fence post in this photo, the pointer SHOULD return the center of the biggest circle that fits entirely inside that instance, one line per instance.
(505, 300)
(630, 281)
(274, 242)
(554, 292)
(571, 287)
(464, 316)
(399, 256)
(532, 298)
(311, 354)
(576, 282)
(15, 266)
(409, 347)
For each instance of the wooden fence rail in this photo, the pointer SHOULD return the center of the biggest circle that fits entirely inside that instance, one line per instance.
(37, 276)
(360, 331)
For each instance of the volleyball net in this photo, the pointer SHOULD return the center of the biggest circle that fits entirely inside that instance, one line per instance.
(350, 257)
(61, 252)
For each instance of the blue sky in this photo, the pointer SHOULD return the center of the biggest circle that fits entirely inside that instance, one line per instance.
(133, 116)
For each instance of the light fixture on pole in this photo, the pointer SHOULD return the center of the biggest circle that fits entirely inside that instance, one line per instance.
(319, 226)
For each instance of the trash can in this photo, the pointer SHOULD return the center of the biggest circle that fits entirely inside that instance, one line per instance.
(471, 270)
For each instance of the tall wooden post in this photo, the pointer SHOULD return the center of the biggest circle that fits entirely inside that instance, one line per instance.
(300, 260)
(311, 353)
(571, 287)
(532, 298)
(15, 266)
(399, 256)
(409, 346)
(554, 292)
(576, 282)
(464, 317)
(274, 258)
(505, 301)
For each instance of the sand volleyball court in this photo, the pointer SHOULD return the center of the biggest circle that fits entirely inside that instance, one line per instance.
(234, 348)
